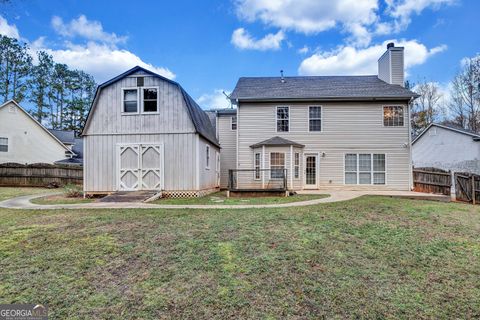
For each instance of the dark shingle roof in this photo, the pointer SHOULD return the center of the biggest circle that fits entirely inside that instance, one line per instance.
(65, 136)
(321, 87)
(277, 141)
(199, 118)
(229, 111)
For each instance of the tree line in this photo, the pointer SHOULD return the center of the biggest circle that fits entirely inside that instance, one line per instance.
(460, 109)
(60, 97)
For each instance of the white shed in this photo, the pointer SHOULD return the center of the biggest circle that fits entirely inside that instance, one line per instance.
(144, 132)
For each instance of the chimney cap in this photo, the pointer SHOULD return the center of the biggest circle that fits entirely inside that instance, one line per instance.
(282, 78)
(390, 45)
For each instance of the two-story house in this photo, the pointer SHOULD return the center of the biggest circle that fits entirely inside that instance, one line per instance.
(325, 130)
(144, 132)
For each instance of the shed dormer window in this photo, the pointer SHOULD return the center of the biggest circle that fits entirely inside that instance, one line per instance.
(150, 101)
(130, 100)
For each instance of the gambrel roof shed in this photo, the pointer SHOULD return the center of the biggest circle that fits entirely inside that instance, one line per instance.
(199, 118)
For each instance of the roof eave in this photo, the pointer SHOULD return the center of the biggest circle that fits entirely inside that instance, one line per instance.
(406, 98)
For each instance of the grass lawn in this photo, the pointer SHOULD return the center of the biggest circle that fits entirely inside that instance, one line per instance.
(221, 198)
(372, 257)
(60, 199)
(7, 193)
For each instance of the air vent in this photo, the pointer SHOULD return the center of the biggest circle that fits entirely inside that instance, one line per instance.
(140, 81)
(12, 109)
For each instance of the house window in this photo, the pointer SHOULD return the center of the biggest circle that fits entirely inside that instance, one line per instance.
(150, 100)
(277, 165)
(3, 144)
(393, 116)
(283, 119)
(315, 118)
(296, 167)
(258, 159)
(365, 168)
(207, 157)
(130, 100)
(234, 122)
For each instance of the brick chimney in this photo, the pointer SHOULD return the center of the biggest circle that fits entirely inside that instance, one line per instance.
(391, 65)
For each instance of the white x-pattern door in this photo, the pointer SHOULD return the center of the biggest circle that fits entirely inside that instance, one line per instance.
(140, 167)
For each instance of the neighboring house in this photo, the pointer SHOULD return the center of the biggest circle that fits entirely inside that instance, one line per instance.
(226, 124)
(327, 130)
(77, 158)
(144, 132)
(24, 140)
(447, 147)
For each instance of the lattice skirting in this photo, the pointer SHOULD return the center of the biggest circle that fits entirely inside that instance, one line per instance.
(188, 193)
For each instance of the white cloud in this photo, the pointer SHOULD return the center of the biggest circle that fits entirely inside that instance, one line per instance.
(402, 10)
(215, 100)
(100, 60)
(348, 60)
(243, 40)
(359, 19)
(8, 30)
(88, 29)
(303, 50)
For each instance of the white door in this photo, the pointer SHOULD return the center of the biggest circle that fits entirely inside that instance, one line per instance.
(140, 167)
(311, 171)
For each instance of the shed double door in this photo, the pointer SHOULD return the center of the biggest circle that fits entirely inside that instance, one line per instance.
(140, 167)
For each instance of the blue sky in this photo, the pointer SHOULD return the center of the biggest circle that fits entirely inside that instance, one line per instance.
(208, 45)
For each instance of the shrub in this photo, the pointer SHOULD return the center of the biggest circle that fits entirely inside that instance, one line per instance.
(72, 191)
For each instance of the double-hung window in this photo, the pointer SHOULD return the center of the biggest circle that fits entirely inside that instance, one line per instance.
(3, 144)
(283, 119)
(315, 118)
(393, 116)
(150, 100)
(130, 100)
(234, 122)
(277, 165)
(258, 160)
(296, 167)
(365, 168)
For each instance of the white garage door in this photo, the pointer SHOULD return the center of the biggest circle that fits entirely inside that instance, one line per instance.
(140, 167)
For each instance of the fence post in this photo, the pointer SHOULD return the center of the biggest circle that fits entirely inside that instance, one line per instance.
(473, 190)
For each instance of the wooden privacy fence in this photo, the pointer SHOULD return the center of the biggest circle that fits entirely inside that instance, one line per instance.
(467, 187)
(39, 175)
(432, 180)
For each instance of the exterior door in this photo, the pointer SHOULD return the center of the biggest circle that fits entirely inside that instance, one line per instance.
(311, 171)
(140, 167)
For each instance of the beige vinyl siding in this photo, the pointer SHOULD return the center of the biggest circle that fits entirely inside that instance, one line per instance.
(397, 67)
(207, 177)
(228, 141)
(100, 167)
(384, 67)
(28, 142)
(347, 128)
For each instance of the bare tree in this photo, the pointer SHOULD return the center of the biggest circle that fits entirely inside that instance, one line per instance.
(426, 108)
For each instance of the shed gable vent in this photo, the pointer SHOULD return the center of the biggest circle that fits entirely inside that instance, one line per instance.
(140, 81)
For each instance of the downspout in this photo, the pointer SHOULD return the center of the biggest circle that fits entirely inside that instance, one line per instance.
(410, 159)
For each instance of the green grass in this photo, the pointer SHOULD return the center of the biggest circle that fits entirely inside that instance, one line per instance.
(60, 199)
(220, 198)
(7, 193)
(372, 257)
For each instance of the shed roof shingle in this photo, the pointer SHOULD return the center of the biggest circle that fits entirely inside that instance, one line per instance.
(318, 87)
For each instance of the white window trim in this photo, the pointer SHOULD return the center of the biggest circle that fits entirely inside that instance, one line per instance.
(371, 168)
(207, 157)
(255, 166)
(231, 123)
(270, 163)
(123, 101)
(142, 99)
(276, 118)
(405, 119)
(321, 119)
(296, 165)
(8, 144)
